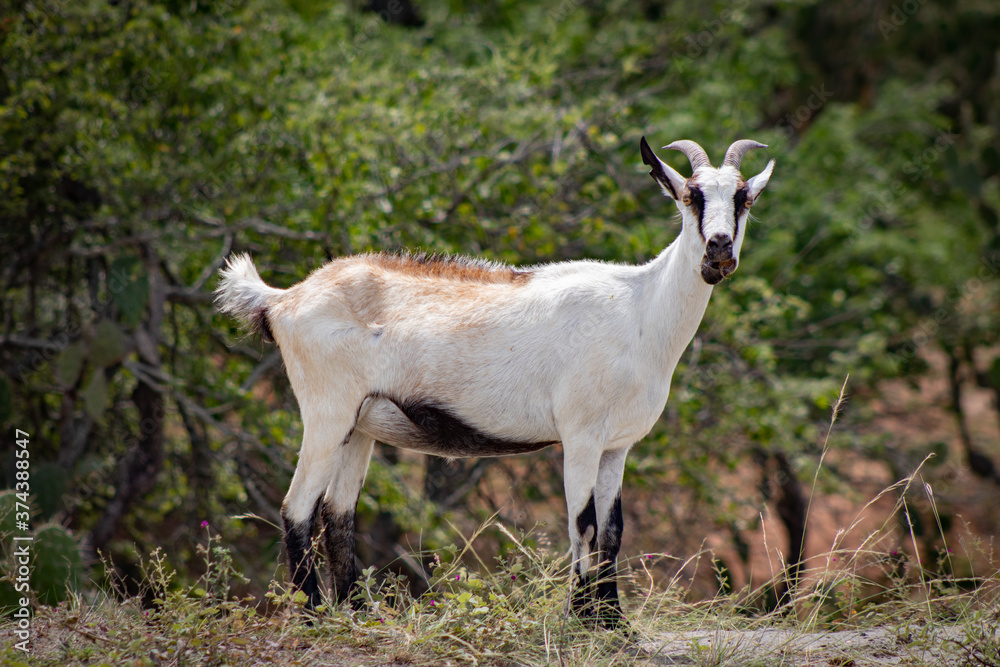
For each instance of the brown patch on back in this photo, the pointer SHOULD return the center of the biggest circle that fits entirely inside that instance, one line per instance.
(377, 289)
(445, 267)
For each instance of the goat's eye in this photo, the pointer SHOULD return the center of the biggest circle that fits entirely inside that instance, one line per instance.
(748, 203)
(686, 200)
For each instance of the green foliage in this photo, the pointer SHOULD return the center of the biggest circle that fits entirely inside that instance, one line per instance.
(142, 142)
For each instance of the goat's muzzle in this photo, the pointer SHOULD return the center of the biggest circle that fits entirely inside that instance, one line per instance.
(718, 261)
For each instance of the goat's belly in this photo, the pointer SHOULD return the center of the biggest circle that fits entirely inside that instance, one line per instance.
(433, 429)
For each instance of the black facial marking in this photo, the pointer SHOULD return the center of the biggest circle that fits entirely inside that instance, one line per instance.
(710, 274)
(338, 534)
(655, 168)
(301, 559)
(739, 205)
(698, 206)
(445, 434)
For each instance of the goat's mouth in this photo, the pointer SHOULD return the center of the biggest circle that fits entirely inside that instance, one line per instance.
(714, 272)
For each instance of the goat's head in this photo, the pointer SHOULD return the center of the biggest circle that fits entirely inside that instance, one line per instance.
(714, 203)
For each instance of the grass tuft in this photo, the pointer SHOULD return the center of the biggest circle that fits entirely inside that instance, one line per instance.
(867, 605)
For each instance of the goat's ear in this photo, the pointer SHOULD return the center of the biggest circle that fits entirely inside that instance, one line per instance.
(671, 182)
(757, 183)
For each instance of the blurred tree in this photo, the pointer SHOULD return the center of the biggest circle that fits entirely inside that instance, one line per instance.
(141, 143)
(401, 12)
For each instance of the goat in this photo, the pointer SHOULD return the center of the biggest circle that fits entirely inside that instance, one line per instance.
(459, 357)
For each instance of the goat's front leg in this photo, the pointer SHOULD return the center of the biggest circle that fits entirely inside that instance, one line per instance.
(593, 496)
(580, 470)
(609, 537)
(325, 435)
(339, 509)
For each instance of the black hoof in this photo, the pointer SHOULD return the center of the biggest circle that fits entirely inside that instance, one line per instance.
(611, 617)
(605, 613)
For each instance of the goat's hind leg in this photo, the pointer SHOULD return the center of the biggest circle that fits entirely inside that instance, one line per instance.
(299, 546)
(324, 439)
(339, 509)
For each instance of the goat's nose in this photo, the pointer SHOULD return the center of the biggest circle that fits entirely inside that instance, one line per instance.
(719, 247)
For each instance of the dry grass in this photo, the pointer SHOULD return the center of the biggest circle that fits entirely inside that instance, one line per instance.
(514, 612)
(872, 605)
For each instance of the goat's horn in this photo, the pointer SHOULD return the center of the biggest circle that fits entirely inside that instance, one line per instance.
(695, 153)
(736, 152)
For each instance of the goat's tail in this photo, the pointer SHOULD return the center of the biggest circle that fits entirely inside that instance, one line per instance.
(243, 294)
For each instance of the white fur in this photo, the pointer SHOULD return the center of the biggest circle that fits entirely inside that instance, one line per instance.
(579, 353)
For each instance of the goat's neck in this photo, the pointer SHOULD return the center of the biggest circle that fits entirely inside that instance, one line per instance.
(677, 300)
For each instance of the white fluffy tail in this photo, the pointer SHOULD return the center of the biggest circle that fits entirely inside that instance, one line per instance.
(243, 294)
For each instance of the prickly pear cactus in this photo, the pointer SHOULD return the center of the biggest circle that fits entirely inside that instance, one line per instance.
(8, 596)
(56, 566)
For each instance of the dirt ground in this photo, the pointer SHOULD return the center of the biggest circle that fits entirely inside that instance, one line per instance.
(850, 648)
(942, 646)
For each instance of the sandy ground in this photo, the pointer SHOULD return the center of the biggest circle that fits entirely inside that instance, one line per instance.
(849, 648)
(60, 640)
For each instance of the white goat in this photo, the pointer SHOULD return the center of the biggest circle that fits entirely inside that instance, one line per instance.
(457, 357)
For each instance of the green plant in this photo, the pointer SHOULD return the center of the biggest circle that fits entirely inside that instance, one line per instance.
(54, 562)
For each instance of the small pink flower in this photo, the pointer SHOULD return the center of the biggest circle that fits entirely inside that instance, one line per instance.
(204, 524)
(458, 577)
(513, 577)
(432, 603)
(649, 556)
